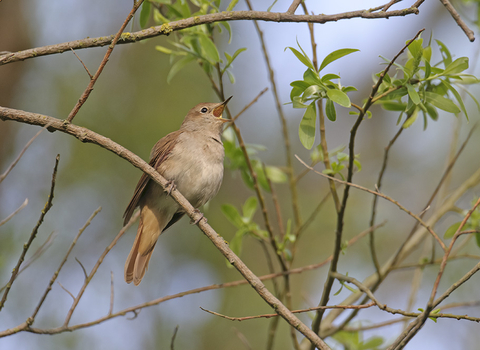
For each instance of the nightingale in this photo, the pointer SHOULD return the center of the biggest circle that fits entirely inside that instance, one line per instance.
(191, 159)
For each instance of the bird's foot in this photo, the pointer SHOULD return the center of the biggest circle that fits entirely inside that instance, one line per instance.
(170, 186)
(194, 222)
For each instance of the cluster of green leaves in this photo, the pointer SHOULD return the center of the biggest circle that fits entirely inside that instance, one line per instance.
(473, 223)
(305, 93)
(354, 340)
(244, 224)
(419, 86)
(236, 161)
(193, 44)
(337, 159)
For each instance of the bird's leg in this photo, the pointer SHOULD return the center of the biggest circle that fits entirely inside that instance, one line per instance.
(200, 218)
(170, 186)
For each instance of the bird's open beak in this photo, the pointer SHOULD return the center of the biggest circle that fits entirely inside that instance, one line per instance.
(217, 111)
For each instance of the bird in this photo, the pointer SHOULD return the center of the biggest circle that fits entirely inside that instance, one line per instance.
(191, 160)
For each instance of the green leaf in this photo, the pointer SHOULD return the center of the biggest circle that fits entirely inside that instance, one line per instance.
(477, 239)
(304, 59)
(413, 94)
(339, 97)
(232, 215)
(451, 230)
(209, 48)
(457, 66)
(393, 106)
(447, 57)
(459, 99)
(163, 49)
(330, 110)
(275, 174)
(231, 5)
(145, 13)
(226, 25)
(441, 102)
(231, 77)
(416, 48)
(335, 55)
(250, 207)
(411, 119)
(306, 131)
(178, 66)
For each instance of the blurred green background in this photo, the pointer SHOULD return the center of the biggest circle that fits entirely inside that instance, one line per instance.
(133, 105)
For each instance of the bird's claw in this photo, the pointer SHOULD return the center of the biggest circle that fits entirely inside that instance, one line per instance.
(194, 222)
(170, 186)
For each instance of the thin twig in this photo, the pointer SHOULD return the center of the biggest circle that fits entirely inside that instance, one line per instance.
(33, 235)
(172, 342)
(97, 265)
(31, 319)
(366, 306)
(112, 293)
(378, 184)
(4, 175)
(83, 64)
(85, 275)
(341, 213)
(250, 104)
(93, 80)
(283, 121)
(24, 204)
(416, 217)
(468, 32)
(66, 290)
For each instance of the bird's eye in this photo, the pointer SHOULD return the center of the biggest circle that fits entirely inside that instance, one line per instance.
(204, 110)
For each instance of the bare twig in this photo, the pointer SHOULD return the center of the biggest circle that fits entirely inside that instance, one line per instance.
(341, 212)
(27, 245)
(250, 104)
(97, 265)
(416, 217)
(4, 175)
(31, 319)
(172, 342)
(112, 293)
(93, 80)
(83, 64)
(365, 306)
(468, 32)
(378, 186)
(24, 204)
(283, 122)
(66, 290)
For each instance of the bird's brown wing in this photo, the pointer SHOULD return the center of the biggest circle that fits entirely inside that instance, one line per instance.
(160, 152)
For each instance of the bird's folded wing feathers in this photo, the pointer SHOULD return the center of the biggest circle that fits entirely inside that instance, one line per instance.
(160, 152)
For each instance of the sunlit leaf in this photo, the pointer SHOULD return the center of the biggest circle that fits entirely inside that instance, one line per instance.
(232, 4)
(451, 230)
(306, 130)
(209, 48)
(330, 110)
(457, 66)
(145, 13)
(441, 102)
(178, 66)
(302, 58)
(335, 55)
(232, 215)
(413, 94)
(249, 207)
(339, 97)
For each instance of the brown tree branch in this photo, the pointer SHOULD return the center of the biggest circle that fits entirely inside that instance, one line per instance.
(166, 29)
(88, 136)
(468, 32)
